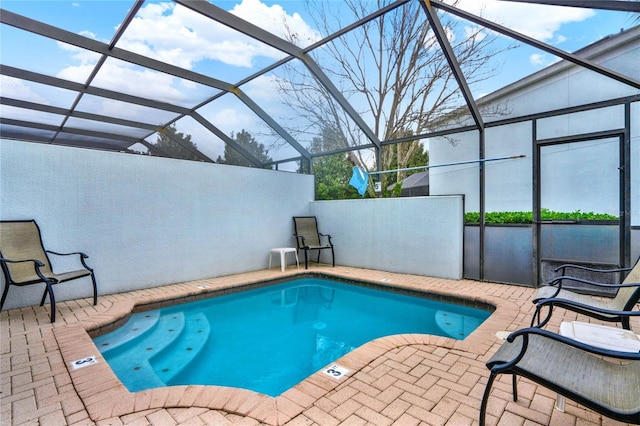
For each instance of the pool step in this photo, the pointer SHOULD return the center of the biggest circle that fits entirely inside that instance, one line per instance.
(456, 325)
(133, 367)
(137, 325)
(173, 360)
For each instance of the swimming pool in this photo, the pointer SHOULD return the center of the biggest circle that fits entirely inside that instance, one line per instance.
(271, 338)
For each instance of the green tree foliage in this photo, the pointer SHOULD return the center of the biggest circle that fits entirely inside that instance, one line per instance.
(250, 144)
(411, 154)
(176, 144)
(332, 172)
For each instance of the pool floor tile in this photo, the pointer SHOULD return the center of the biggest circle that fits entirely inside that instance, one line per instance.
(406, 380)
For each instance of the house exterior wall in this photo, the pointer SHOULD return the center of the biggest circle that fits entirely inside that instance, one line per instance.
(508, 184)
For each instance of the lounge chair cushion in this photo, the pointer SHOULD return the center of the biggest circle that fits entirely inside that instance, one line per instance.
(615, 387)
(633, 276)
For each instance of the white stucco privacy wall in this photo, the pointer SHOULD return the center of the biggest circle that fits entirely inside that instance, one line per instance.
(147, 221)
(415, 235)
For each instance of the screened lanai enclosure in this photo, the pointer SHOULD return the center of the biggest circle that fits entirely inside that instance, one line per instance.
(513, 107)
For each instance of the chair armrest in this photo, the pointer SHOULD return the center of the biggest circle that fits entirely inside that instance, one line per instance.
(325, 235)
(37, 264)
(586, 268)
(84, 256)
(300, 241)
(525, 332)
(560, 301)
(558, 281)
(36, 261)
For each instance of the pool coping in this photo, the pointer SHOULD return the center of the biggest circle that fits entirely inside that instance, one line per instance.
(104, 396)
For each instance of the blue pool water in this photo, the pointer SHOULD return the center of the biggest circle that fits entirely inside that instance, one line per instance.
(271, 338)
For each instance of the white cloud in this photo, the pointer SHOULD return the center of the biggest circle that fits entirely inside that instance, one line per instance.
(560, 39)
(538, 21)
(469, 31)
(82, 56)
(78, 73)
(474, 32)
(181, 37)
(537, 59)
(125, 78)
(263, 87)
(277, 21)
(431, 42)
(230, 119)
(113, 108)
(142, 82)
(207, 142)
(14, 88)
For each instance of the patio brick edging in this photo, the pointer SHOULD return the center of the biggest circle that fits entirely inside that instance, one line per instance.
(104, 396)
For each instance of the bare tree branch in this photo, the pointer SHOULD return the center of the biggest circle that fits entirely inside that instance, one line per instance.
(392, 71)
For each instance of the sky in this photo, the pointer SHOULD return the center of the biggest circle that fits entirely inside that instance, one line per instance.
(178, 36)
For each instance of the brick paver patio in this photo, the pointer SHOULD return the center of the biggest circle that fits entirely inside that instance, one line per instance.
(397, 380)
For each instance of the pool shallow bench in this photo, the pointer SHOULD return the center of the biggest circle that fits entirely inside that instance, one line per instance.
(105, 397)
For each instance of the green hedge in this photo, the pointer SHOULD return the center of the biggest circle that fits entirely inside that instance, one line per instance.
(527, 217)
